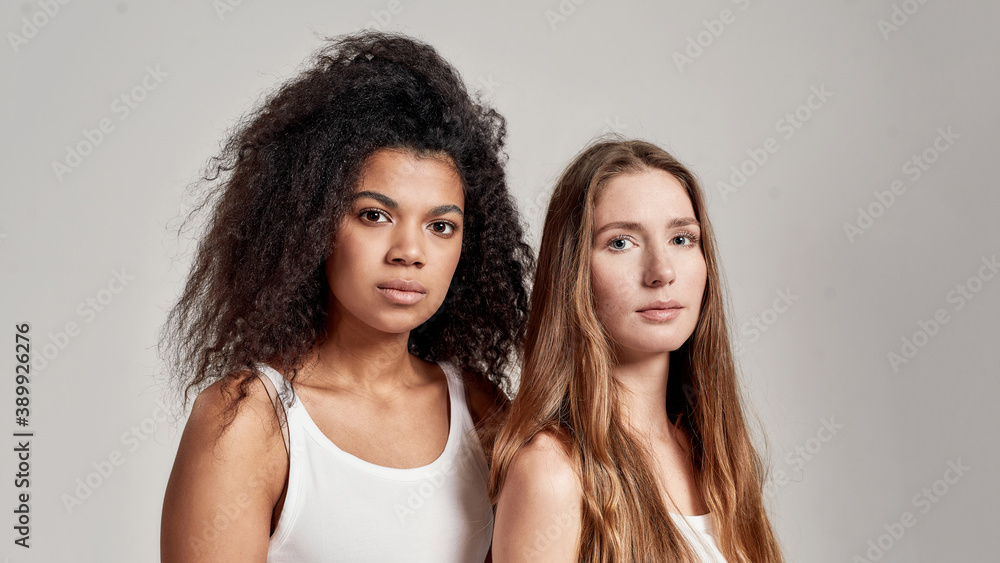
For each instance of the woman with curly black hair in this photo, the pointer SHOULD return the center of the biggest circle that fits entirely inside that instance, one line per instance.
(349, 321)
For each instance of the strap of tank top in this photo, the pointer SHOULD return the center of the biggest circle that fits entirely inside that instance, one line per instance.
(279, 409)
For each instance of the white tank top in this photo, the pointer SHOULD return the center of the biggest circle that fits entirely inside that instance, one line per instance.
(700, 534)
(339, 507)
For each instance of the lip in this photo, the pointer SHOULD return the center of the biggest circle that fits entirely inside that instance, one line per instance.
(403, 292)
(661, 311)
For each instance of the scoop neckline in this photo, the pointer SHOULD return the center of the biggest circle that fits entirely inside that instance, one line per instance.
(702, 522)
(394, 473)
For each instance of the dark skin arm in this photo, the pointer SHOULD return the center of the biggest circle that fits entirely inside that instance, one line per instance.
(225, 484)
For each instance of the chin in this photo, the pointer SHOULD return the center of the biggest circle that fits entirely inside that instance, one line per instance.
(657, 344)
(652, 348)
(398, 322)
(395, 326)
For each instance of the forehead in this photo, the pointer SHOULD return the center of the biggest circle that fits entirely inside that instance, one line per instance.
(410, 176)
(650, 195)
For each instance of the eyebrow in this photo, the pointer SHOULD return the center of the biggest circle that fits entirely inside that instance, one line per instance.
(393, 204)
(442, 209)
(633, 226)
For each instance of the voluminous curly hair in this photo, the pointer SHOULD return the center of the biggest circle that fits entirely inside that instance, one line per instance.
(281, 186)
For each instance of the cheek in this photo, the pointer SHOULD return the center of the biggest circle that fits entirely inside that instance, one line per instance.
(448, 258)
(609, 291)
(342, 265)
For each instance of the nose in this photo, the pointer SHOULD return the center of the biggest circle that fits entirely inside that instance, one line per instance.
(406, 247)
(659, 268)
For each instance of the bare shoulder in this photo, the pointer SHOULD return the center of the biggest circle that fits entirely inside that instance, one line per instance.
(254, 416)
(227, 460)
(538, 509)
(234, 441)
(543, 467)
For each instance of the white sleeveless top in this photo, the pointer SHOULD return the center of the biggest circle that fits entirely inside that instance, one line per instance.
(700, 534)
(339, 507)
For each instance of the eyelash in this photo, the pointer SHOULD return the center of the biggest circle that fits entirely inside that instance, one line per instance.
(684, 234)
(616, 239)
(363, 212)
(693, 237)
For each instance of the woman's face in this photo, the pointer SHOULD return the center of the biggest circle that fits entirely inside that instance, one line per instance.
(647, 269)
(398, 246)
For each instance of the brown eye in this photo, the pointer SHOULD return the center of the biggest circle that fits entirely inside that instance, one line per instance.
(442, 227)
(374, 216)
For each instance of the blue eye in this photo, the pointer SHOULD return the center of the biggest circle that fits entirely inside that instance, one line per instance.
(620, 244)
(692, 239)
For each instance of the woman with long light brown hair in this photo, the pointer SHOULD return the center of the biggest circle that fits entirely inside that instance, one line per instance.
(627, 439)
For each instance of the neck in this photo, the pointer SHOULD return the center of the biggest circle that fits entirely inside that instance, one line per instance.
(644, 402)
(355, 354)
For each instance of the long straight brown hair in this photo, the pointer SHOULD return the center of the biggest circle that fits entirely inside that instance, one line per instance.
(567, 388)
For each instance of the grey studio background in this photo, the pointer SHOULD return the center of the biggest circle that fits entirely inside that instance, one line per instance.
(848, 150)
